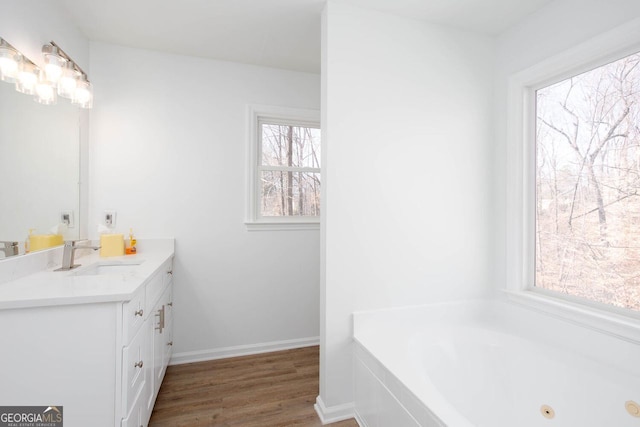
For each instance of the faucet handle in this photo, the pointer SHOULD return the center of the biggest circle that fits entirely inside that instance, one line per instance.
(68, 255)
(71, 244)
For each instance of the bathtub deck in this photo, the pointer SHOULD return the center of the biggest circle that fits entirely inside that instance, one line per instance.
(453, 363)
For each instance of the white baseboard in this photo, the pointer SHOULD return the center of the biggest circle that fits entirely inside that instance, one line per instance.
(241, 350)
(335, 413)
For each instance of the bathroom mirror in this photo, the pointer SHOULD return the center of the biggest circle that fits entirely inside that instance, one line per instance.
(39, 166)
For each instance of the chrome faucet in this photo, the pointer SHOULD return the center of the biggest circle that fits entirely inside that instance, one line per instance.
(70, 252)
(9, 248)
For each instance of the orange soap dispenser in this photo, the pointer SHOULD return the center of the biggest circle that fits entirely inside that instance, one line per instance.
(131, 249)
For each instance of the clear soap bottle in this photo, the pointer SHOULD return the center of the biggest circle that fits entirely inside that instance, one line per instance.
(27, 241)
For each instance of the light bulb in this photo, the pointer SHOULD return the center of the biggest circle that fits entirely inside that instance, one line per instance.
(68, 81)
(53, 72)
(45, 93)
(27, 77)
(83, 95)
(8, 63)
(54, 63)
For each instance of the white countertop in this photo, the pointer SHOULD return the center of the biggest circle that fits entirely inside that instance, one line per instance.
(51, 288)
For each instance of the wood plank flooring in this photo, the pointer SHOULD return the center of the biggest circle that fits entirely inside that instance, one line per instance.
(266, 390)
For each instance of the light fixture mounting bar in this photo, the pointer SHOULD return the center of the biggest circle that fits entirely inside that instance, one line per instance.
(68, 58)
(4, 43)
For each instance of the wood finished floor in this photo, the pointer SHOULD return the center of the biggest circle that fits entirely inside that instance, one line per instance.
(265, 390)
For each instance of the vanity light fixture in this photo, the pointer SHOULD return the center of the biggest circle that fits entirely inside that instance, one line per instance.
(61, 76)
(67, 76)
(9, 58)
(15, 67)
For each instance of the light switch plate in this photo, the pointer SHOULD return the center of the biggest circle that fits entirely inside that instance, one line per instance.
(110, 218)
(66, 217)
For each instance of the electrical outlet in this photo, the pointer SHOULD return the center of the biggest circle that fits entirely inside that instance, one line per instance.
(66, 217)
(110, 218)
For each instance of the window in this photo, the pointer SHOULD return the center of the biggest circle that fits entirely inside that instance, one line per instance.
(284, 168)
(289, 171)
(587, 185)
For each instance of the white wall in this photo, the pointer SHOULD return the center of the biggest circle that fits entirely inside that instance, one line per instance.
(554, 29)
(168, 154)
(407, 122)
(28, 24)
(559, 26)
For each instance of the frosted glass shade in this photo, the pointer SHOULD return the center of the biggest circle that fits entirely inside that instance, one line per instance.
(27, 78)
(54, 63)
(68, 81)
(83, 94)
(8, 63)
(46, 94)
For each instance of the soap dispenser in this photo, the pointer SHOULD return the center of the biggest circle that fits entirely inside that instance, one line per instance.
(27, 241)
(131, 249)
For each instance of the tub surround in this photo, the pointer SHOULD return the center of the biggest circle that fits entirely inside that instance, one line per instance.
(46, 287)
(453, 364)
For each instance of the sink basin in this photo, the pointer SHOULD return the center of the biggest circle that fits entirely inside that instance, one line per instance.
(105, 268)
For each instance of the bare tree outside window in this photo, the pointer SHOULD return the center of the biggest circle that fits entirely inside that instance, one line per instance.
(289, 170)
(588, 185)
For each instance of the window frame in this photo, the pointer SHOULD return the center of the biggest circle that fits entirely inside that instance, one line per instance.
(521, 183)
(257, 115)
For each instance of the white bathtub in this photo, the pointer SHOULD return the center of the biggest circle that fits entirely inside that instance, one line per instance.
(490, 364)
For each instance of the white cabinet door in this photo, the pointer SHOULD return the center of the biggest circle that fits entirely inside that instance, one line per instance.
(137, 417)
(158, 344)
(158, 329)
(162, 336)
(159, 332)
(134, 358)
(150, 396)
(168, 326)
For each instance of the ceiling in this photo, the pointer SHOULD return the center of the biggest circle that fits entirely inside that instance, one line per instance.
(490, 17)
(273, 33)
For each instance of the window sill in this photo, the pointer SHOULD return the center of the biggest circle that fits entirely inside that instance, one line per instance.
(281, 226)
(610, 323)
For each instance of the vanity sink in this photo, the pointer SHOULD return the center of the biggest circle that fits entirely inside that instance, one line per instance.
(105, 268)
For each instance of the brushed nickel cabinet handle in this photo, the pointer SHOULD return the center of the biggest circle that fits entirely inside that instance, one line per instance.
(139, 312)
(170, 343)
(160, 314)
(139, 364)
(170, 304)
(170, 272)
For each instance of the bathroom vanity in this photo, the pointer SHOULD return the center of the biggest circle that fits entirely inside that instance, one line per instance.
(95, 340)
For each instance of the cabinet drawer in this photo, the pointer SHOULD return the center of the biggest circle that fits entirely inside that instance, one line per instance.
(133, 313)
(134, 362)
